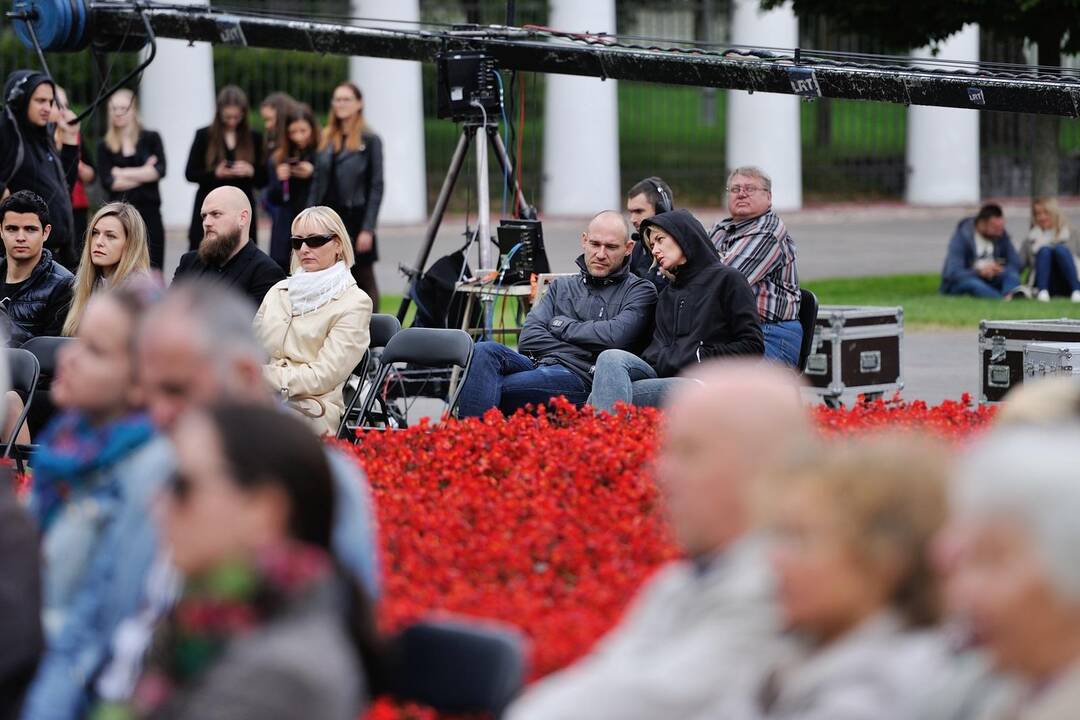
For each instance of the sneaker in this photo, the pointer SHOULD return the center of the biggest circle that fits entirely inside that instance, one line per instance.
(1044, 296)
(1075, 297)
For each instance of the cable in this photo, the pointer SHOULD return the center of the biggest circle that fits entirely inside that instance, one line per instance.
(506, 139)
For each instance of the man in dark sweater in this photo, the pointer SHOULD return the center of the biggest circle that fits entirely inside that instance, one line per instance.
(35, 290)
(226, 253)
(707, 310)
(605, 306)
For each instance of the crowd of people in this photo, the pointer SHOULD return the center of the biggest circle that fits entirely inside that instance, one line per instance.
(982, 260)
(203, 555)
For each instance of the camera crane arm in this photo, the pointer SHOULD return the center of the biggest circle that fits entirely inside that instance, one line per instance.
(115, 24)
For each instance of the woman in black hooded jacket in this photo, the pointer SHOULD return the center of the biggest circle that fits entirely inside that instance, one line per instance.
(707, 310)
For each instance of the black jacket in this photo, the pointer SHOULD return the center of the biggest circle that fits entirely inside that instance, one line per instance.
(289, 206)
(147, 195)
(197, 172)
(40, 305)
(359, 177)
(707, 311)
(579, 317)
(250, 272)
(41, 169)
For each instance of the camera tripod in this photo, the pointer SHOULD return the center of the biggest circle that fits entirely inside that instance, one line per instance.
(470, 131)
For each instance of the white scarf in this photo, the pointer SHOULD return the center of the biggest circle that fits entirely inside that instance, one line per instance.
(309, 291)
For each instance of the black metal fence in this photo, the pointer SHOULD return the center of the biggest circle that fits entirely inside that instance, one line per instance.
(851, 149)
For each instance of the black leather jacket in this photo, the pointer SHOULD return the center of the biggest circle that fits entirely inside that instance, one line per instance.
(359, 179)
(40, 305)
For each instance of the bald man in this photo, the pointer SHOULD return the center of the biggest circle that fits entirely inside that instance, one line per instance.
(226, 253)
(698, 640)
(603, 307)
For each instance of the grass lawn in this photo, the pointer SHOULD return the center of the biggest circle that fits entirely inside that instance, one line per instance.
(924, 307)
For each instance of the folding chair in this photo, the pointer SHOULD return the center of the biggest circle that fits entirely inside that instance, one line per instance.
(45, 349)
(457, 667)
(427, 348)
(24, 369)
(382, 328)
(808, 306)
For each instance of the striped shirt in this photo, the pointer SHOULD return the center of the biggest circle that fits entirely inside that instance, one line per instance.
(763, 251)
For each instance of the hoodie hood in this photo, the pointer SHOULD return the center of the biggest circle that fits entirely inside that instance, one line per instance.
(27, 81)
(690, 235)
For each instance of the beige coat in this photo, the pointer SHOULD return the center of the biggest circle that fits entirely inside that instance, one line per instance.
(312, 355)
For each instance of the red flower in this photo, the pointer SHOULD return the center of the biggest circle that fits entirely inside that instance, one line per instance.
(548, 521)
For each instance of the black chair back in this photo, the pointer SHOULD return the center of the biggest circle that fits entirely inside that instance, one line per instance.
(455, 667)
(381, 329)
(45, 349)
(429, 347)
(24, 369)
(424, 348)
(808, 308)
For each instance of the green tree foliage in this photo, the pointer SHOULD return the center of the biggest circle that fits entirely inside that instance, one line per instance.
(1053, 25)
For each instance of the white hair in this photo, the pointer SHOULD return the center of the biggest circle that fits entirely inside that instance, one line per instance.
(1031, 477)
(752, 171)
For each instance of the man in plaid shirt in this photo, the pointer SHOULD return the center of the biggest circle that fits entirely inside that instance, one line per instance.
(755, 242)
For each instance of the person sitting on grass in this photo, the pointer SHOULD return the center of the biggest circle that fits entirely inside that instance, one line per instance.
(981, 260)
(1050, 250)
(605, 306)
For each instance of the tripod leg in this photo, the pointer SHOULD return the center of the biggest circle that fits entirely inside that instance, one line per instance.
(507, 168)
(437, 213)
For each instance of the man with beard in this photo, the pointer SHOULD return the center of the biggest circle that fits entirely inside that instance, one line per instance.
(226, 252)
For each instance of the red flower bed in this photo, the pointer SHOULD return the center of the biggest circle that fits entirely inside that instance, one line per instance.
(549, 522)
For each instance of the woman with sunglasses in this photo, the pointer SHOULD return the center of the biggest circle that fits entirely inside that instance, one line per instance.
(98, 457)
(268, 625)
(314, 324)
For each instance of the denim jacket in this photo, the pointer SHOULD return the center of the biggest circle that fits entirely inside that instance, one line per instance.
(89, 590)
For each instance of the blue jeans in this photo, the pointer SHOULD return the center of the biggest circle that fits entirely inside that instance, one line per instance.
(623, 376)
(783, 340)
(1055, 262)
(502, 378)
(996, 288)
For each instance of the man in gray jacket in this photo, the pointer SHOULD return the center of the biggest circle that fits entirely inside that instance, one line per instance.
(604, 307)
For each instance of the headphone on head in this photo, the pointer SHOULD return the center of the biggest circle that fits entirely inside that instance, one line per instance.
(17, 90)
(665, 201)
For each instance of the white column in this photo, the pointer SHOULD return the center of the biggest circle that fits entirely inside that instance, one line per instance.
(943, 143)
(581, 124)
(763, 129)
(394, 108)
(178, 71)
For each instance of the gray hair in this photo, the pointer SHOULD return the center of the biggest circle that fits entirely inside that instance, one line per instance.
(1029, 475)
(754, 172)
(220, 321)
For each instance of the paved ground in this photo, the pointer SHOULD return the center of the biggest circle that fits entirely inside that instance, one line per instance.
(833, 241)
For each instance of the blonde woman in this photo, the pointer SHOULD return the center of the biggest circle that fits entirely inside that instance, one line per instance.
(349, 178)
(115, 249)
(314, 324)
(132, 162)
(851, 528)
(1051, 251)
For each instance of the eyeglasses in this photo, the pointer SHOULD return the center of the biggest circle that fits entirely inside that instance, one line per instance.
(740, 189)
(313, 241)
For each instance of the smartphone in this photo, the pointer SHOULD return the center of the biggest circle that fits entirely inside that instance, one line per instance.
(228, 163)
